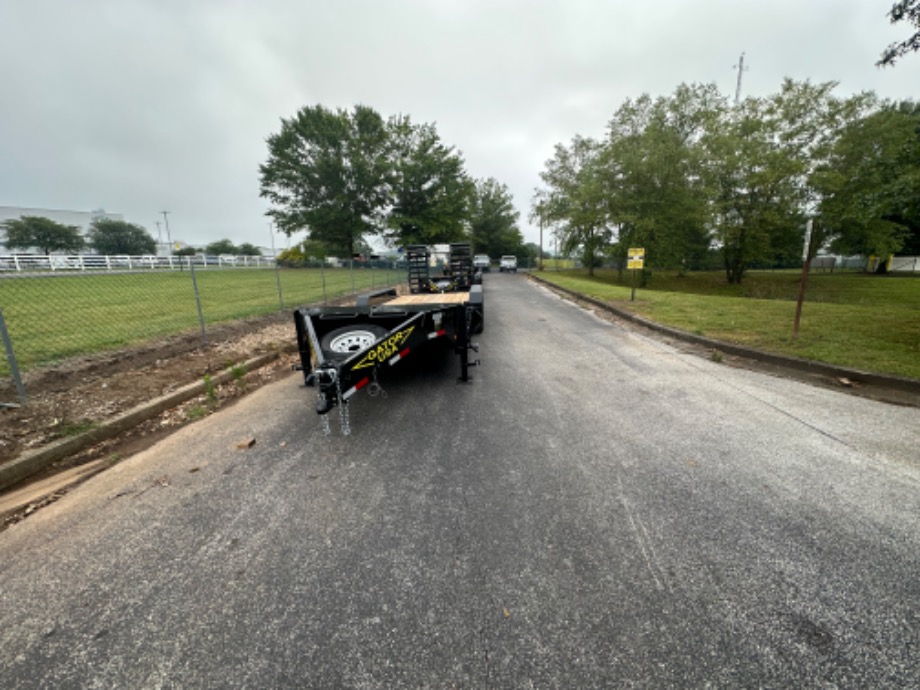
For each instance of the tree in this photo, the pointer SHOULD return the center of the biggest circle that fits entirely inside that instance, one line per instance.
(42, 233)
(574, 200)
(314, 249)
(108, 236)
(247, 249)
(658, 187)
(328, 172)
(431, 192)
(185, 251)
(902, 10)
(765, 154)
(303, 252)
(871, 184)
(224, 246)
(493, 220)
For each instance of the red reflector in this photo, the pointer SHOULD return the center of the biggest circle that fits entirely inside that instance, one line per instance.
(441, 332)
(362, 383)
(404, 353)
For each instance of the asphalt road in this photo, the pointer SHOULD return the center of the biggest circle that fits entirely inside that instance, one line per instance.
(596, 509)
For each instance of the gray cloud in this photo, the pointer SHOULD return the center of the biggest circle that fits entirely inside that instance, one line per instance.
(144, 106)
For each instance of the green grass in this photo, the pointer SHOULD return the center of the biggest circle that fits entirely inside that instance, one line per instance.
(51, 318)
(855, 320)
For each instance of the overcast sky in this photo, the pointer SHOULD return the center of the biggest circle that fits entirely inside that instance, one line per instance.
(150, 105)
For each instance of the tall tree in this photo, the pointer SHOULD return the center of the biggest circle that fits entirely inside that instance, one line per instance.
(658, 186)
(327, 172)
(766, 152)
(431, 192)
(871, 184)
(42, 233)
(902, 10)
(756, 204)
(573, 199)
(493, 220)
(108, 236)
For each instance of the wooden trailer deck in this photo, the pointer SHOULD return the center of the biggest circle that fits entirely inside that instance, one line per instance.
(433, 299)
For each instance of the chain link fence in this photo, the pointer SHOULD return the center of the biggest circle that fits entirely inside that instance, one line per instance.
(49, 316)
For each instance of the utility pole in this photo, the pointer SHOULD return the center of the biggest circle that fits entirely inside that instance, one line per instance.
(168, 236)
(540, 266)
(741, 69)
(159, 233)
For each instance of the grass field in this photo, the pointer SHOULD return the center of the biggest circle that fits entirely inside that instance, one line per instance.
(51, 318)
(855, 320)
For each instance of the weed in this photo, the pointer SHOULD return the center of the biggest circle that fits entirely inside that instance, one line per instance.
(76, 428)
(238, 371)
(197, 412)
(716, 356)
(210, 390)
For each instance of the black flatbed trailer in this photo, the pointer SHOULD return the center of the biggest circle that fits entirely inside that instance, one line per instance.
(342, 348)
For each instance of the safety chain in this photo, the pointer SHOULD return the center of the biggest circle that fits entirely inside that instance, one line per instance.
(324, 418)
(374, 389)
(343, 409)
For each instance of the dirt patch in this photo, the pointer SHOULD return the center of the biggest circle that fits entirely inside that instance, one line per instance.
(82, 393)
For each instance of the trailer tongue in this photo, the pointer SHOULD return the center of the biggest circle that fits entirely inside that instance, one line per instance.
(343, 348)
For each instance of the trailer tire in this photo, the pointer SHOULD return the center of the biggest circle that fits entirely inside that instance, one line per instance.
(342, 343)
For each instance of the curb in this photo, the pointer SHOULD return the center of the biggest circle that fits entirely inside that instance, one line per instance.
(808, 366)
(29, 464)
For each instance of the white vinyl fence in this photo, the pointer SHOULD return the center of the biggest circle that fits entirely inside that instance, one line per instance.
(89, 262)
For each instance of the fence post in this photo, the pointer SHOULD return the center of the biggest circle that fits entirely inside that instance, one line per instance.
(322, 272)
(11, 358)
(204, 337)
(278, 283)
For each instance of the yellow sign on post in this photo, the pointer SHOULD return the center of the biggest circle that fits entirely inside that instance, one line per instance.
(636, 258)
(636, 262)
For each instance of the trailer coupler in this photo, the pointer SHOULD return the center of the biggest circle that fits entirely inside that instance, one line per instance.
(328, 391)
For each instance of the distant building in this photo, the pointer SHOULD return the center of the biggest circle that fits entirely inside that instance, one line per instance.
(81, 219)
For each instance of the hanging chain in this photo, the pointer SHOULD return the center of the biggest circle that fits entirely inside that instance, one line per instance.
(374, 389)
(343, 409)
(324, 418)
